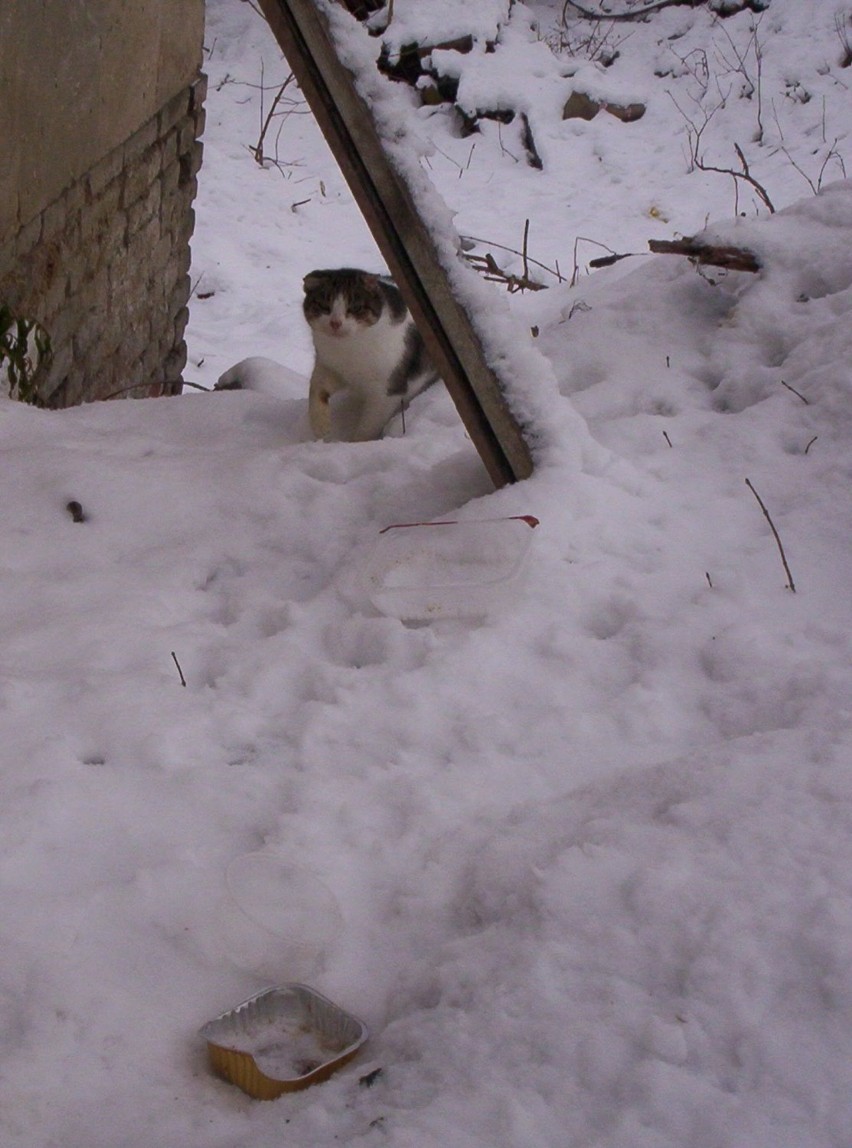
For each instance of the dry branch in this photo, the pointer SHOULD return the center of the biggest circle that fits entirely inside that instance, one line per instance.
(257, 150)
(790, 583)
(716, 255)
(712, 254)
(587, 14)
(487, 265)
(656, 6)
(489, 268)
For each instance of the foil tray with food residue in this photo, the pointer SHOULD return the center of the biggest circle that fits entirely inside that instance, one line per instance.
(281, 1040)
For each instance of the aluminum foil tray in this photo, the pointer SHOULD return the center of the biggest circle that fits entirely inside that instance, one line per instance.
(282, 1040)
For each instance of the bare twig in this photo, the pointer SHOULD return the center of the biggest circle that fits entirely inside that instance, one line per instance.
(512, 251)
(694, 135)
(597, 42)
(575, 275)
(811, 443)
(489, 267)
(816, 185)
(740, 65)
(796, 393)
(195, 286)
(179, 670)
(163, 382)
(257, 150)
(503, 149)
(790, 583)
(747, 177)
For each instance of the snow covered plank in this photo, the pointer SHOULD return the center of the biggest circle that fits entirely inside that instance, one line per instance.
(401, 233)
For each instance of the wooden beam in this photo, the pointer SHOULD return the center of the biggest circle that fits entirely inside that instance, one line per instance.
(401, 235)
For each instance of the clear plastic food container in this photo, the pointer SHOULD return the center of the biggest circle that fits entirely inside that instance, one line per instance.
(471, 568)
(275, 918)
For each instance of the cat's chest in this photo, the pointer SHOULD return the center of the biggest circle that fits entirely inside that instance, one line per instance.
(365, 356)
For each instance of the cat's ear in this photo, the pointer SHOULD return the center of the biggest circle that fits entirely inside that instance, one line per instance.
(312, 280)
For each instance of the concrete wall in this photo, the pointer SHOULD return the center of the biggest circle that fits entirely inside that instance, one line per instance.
(77, 78)
(100, 113)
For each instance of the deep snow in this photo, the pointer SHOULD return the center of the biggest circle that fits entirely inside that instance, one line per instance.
(583, 867)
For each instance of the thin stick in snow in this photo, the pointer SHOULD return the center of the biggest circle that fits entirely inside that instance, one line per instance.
(179, 670)
(790, 583)
(796, 393)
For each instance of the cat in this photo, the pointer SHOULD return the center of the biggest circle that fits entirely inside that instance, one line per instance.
(367, 346)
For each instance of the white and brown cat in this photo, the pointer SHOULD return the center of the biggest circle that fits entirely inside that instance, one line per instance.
(367, 346)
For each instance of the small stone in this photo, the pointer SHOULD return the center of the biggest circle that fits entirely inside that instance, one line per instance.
(627, 113)
(579, 106)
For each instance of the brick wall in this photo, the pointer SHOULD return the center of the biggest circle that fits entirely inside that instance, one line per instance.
(105, 267)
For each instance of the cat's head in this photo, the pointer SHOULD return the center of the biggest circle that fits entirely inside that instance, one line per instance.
(340, 303)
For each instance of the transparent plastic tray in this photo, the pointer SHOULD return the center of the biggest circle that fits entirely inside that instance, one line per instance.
(469, 568)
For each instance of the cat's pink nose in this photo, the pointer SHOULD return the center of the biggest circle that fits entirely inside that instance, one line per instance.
(334, 324)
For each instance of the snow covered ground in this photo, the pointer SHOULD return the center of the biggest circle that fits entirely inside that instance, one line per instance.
(583, 867)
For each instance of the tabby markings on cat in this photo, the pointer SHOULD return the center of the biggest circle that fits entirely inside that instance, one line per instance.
(367, 346)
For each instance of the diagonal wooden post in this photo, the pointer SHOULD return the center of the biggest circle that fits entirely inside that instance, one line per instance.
(402, 236)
